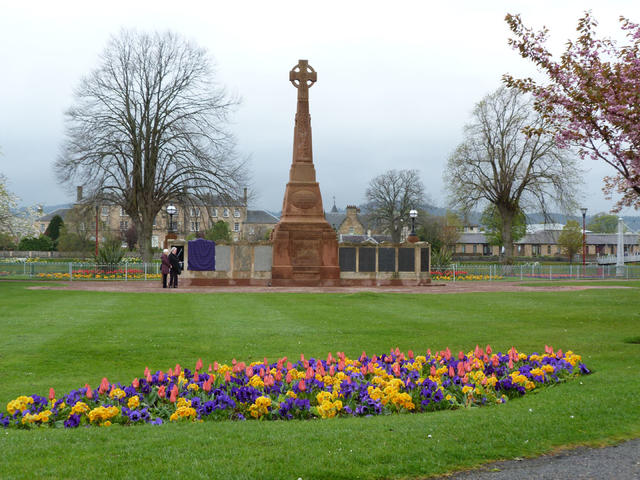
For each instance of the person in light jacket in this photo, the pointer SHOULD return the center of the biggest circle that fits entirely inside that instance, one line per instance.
(165, 267)
(175, 268)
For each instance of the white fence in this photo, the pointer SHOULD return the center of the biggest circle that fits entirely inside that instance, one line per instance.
(533, 271)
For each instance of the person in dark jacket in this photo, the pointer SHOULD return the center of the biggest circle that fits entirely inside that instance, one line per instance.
(165, 267)
(175, 268)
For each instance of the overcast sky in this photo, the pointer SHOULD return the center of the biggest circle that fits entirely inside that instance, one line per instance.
(396, 80)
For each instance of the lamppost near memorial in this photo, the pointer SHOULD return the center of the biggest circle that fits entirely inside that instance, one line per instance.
(413, 238)
(171, 210)
(584, 236)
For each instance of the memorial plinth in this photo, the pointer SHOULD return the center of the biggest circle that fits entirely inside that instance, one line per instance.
(305, 247)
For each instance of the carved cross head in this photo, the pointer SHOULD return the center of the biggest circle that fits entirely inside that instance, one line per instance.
(303, 75)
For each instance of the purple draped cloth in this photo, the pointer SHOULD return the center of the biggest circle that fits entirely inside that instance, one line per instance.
(202, 255)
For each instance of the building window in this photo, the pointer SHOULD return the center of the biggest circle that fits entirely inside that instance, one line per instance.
(236, 227)
(351, 230)
(236, 213)
(464, 249)
(124, 224)
(519, 249)
(225, 212)
(194, 212)
(548, 249)
(535, 249)
(122, 212)
(611, 249)
(475, 249)
(195, 226)
(154, 241)
(155, 221)
(214, 212)
(105, 211)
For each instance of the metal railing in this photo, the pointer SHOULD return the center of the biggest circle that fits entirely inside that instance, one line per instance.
(532, 271)
(73, 271)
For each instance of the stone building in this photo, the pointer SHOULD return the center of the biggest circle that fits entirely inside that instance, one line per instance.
(348, 223)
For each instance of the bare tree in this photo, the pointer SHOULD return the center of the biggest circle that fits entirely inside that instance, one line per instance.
(507, 160)
(391, 196)
(148, 127)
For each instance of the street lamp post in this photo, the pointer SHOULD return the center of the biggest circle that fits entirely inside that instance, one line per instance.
(584, 236)
(171, 210)
(412, 236)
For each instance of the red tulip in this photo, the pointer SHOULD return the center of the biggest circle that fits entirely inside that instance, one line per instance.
(374, 359)
(396, 369)
(162, 392)
(371, 367)
(52, 394)
(174, 393)
(559, 354)
(495, 360)
(510, 363)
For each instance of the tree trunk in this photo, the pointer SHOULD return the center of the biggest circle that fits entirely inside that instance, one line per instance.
(507, 217)
(144, 239)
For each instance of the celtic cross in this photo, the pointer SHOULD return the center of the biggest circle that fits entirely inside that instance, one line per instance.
(303, 76)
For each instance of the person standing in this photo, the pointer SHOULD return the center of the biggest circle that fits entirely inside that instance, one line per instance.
(175, 268)
(165, 268)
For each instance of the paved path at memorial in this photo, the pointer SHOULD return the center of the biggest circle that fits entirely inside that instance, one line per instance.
(141, 286)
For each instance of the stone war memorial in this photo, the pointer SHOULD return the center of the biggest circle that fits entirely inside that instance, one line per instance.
(304, 250)
(305, 247)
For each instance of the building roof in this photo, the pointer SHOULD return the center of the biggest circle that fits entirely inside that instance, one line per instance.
(473, 237)
(62, 212)
(260, 216)
(375, 239)
(611, 238)
(335, 219)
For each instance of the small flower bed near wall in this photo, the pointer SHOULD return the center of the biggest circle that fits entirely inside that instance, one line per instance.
(313, 388)
(450, 275)
(101, 274)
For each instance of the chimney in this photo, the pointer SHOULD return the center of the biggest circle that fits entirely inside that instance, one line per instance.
(245, 196)
(79, 193)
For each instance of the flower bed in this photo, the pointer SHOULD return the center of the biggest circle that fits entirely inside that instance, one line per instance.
(448, 275)
(313, 388)
(101, 274)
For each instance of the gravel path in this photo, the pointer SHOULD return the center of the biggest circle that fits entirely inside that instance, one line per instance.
(620, 462)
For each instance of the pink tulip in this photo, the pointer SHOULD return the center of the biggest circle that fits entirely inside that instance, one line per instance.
(309, 374)
(262, 373)
(363, 370)
(196, 377)
(433, 371)
(410, 354)
(278, 376)
(269, 381)
(104, 386)
(429, 352)
(329, 358)
(249, 372)
(495, 360)
(332, 370)
(161, 376)
(170, 372)
(341, 356)
(227, 377)
(397, 352)
(210, 369)
(234, 361)
(370, 367)
(302, 358)
(559, 354)
(320, 369)
(363, 356)
(135, 383)
(215, 366)
(374, 359)
(302, 386)
(510, 363)
(288, 377)
(488, 350)
(177, 370)
(289, 365)
(396, 369)
(198, 364)
(461, 370)
(460, 355)
(52, 394)
(341, 365)
(149, 378)
(451, 372)
(146, 371)
(447, 354)
(206, 386)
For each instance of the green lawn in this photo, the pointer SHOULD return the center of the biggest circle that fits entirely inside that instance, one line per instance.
(66, 339)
